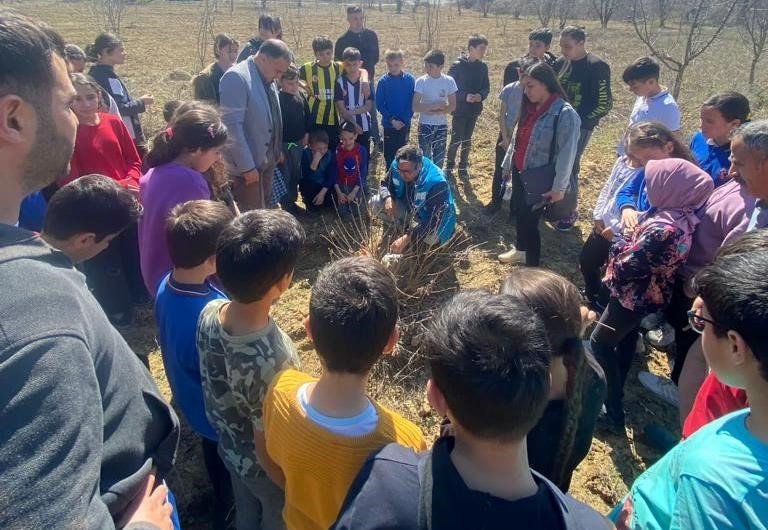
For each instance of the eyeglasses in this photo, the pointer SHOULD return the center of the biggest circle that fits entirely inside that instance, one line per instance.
(698, 322)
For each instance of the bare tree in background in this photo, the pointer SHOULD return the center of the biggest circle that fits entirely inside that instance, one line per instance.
(604, 10)
(754, 21)
(109, 13)
(699, 24)
(485, 6)
(564, 12)
(545, 10)
(205, 32)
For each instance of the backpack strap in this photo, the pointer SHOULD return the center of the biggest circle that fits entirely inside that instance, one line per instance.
(425, 492)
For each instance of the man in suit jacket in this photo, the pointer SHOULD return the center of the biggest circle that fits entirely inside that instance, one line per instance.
(250, 108)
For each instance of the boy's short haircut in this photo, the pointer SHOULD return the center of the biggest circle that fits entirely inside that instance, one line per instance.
(641, 69)
(290, 74)
(169, 108)
(320, 44)
(735, 292)
(221, 41)
(391, 55)
(541, 35)
(90, 204)
(410, 153)
(351, 54)
(477, 40)
(354, 9)
(436, 57)
(348, 126)
(576, 33)
(193, 229)
(318, 137)
(255, 251)
(270, 23)
(489, 356)
(352, 313)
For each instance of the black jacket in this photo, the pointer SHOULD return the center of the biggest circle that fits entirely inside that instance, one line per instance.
(587, 82)
(367, 42)
(105, 75)
(471, 78)
(394, 489)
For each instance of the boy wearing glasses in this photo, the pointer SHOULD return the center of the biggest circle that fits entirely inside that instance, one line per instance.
(716, 478)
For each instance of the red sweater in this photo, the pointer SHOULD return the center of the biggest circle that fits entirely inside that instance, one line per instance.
(714, 400)
(106, 149)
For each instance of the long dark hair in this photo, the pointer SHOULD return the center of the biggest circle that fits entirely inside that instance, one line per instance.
(557, 301)
(105, 42)
(544, 74)
(655, 134)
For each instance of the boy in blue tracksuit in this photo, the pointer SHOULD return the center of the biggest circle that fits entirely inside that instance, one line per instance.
(394, 98)
(416, 188)
(192, 231)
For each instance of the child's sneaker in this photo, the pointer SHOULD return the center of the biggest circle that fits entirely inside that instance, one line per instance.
(512, 256)
(564, 225)
(660, 387)
(661, 336)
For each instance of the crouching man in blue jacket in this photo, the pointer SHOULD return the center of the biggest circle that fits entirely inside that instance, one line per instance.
(415, 193)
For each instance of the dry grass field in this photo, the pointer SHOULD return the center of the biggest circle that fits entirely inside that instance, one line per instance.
(161, 40)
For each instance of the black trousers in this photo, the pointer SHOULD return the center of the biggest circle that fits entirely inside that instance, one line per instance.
(594, 255)
(677, 317)
(220, 481)
(309, 190)
(614, 350)
(114, 275)
(462, 128)
(496, 193)
(394, 140)
(527, 223)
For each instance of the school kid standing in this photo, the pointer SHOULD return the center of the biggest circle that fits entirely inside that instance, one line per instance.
(587, 83)
(471, 76)
(319, 78)
(394, 98)
(296, 123)
(205, 85)
(107, 50)
(352, 102)
(434, 98)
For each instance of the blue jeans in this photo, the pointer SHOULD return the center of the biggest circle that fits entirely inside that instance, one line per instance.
(432, 140)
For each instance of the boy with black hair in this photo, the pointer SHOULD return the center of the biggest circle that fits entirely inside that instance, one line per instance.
(434, 98)
(318, 171)
(319, 431)
(716, 478)
(84, 216)
(539, 41)
(352, 102)
(394, 94)
(489, 361)
(241, 348)
(654, 102)
(586, 80)
(270, 27)
(471, 76)
(296, 123)
(319, 78)
(191, 233)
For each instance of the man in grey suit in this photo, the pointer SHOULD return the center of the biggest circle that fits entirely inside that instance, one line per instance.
(250, 108)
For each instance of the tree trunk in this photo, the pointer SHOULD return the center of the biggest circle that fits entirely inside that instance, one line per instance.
(752, 66)
(678, 81)
(399, 5)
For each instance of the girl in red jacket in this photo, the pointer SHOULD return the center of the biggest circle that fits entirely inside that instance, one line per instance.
(103, 145)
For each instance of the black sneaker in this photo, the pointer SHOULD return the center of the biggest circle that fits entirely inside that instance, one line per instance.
(492, 208)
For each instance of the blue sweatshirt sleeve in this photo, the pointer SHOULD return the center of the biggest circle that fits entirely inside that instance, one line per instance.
(629, 193)
(330, 170)
(434, 205)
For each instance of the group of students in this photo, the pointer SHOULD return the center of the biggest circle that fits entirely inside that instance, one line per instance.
(300, 452)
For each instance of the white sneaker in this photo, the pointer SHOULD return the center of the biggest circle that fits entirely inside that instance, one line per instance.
(661, 387)
(661, 336)
(512, 256)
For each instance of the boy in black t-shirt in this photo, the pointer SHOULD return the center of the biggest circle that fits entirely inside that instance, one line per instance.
(296, 123)
(486, 353)
(586, 80)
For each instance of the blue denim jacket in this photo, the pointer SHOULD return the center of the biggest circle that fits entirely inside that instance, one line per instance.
(537, 154)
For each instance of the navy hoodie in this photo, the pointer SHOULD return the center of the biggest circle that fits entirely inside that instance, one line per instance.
(471, 78)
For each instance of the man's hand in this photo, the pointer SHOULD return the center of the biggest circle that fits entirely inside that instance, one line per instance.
(599, 226)
(281, 158)
(320, 197)
(151, 507)
(587, 317)
(352, 195)
(389, 208)
(470, 98)
(629, 219)
(553, 196)
(251, 177)
(397, 124)
(147, 100)
(607, 234)
(399, 244)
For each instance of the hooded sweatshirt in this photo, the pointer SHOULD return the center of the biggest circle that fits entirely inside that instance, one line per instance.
(471, 78)
(82, 422)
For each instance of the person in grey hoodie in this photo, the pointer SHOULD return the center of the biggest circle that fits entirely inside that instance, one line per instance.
(85, 436)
